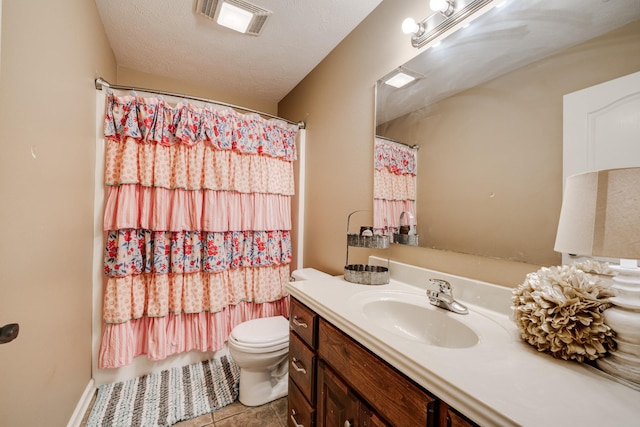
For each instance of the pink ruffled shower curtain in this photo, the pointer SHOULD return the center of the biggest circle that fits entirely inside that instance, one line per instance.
(394, 185)
(197, 222)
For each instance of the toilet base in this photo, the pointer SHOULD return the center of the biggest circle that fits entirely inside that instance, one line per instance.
(258, 388)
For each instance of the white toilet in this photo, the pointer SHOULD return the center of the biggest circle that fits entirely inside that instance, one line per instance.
(260, 348)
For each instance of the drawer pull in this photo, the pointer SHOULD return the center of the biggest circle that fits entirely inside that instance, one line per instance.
(296, 366)
(293, 418)
(347, 423)
(299, 323)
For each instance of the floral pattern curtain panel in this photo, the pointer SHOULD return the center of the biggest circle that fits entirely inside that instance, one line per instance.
(394, 185)
(197, 222)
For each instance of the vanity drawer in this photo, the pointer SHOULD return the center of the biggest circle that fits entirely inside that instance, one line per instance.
(302, 367)
(374, 380)
(300, 412)
(304, 322)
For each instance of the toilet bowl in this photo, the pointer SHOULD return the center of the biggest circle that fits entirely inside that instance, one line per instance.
(260, 348)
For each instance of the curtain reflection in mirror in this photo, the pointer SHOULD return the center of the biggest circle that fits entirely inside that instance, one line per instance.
(394, 184)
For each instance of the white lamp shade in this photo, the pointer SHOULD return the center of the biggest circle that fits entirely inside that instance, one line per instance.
(600, 214)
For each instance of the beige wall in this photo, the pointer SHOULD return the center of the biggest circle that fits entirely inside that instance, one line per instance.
(491, 157)
(130, 77)
(337, 101)
(51, 53)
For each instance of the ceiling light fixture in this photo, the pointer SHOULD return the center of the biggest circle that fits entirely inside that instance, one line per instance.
(399, 80)
(238, 15)
(450, 15)
(400, 77)
(233, 17)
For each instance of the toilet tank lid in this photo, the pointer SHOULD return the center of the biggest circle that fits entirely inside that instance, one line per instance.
(263, 330)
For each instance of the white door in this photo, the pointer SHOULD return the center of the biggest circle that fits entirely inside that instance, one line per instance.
(601, 127)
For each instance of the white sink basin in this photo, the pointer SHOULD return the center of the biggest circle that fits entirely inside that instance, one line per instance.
(410, 316)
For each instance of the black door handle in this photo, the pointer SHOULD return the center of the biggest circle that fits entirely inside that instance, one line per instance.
(9, 333)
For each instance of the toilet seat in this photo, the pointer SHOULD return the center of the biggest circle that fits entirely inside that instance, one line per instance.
(259, 335)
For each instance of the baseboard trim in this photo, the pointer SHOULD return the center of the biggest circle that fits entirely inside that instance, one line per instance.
(83, 405)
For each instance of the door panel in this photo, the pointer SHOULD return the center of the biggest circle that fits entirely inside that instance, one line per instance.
(602, 126)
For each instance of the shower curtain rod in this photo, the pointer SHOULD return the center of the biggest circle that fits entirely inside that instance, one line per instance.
(100, 83)
(415, 147)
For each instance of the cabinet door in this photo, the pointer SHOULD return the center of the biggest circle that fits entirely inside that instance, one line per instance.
(337, 406)
(368, 418)
(395, 398)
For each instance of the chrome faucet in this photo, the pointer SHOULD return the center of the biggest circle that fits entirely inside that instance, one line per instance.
(443, 297)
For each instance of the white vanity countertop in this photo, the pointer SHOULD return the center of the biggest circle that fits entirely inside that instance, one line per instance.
(501, 380)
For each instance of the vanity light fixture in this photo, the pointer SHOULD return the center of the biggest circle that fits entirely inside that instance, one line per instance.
(449, 15)
(445, 7)
(599, 217)
(238, 15)
(410, 26)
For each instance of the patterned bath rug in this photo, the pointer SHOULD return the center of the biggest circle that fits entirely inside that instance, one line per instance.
(164, 398)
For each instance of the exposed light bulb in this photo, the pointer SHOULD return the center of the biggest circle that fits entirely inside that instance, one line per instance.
(410, 26)
(438, 5)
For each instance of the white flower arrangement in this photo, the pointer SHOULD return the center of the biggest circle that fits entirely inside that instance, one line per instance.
(594, 267)
(559, 311)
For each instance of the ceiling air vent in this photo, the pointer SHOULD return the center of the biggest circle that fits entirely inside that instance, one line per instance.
(211, 8)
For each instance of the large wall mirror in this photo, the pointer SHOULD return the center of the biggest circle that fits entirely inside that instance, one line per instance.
(486, 114)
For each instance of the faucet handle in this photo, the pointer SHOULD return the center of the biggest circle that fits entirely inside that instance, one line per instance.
(445, 287)
(433, 296)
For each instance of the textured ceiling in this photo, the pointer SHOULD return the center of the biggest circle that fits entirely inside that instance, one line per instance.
(167, 38)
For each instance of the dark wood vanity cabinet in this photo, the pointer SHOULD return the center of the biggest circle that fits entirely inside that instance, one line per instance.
(336, 382)
(303, 342)
(338, 406)
(451, 418)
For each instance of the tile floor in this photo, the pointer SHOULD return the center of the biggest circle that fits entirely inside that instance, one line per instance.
(273, 414)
